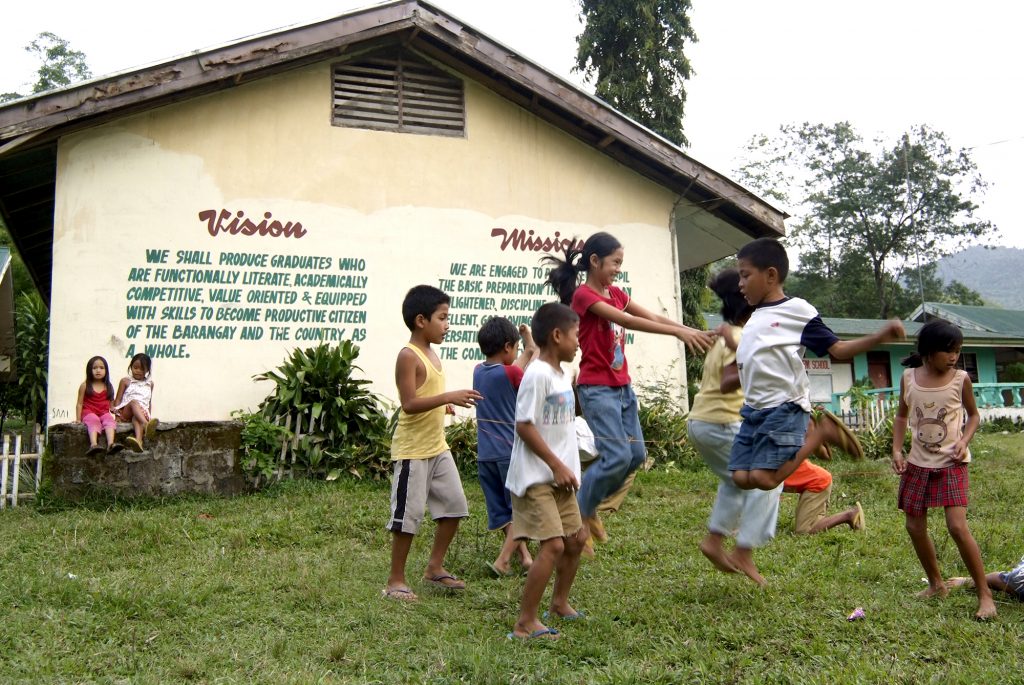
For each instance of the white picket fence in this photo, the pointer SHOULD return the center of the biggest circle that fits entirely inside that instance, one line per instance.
(11, 469)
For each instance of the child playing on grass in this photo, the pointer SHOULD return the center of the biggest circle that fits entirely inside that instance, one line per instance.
(545, 472)
(608, 400)
(1010, 582)
(814, 485)
(774, 437)
(93, 408)
(497, 379)
(134, 401)
(934, 397)
(424, 474)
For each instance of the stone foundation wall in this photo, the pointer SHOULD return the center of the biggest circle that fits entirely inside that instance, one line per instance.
(189, 457)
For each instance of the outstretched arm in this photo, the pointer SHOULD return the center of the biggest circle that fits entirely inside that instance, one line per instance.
(697, 341)
(406, 372)
(848, 349)
(530, 349)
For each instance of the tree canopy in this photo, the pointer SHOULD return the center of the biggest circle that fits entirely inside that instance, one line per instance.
(59, 65)
(870, 212)
(633, 51)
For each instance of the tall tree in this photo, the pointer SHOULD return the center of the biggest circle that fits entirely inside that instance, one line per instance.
(633, 51)
(856, 205)
(59, 65)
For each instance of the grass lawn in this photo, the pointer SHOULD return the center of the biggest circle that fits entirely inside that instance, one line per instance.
(284, 587)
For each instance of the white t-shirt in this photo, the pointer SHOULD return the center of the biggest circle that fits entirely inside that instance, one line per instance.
(771, 351)
(545, 400)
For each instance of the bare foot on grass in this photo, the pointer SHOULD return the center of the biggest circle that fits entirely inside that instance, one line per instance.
(743, 560)
(716, 554)
(986, 609)
(959, 581)
(939, 591)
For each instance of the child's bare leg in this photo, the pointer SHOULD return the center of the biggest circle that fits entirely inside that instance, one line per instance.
(547, 558)
(94, 436)
(109, 433)
(834, 520)
(565, 573)
(401, 543)
(525, 560)
(743, 559)
(956, 522)
(917, 527)
(443, 536)
(508, 547)
(712, 547)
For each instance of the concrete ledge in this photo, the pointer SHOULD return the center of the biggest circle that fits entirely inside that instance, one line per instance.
(189, 457)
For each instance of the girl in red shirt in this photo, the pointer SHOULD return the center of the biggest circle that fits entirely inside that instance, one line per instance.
(608, 401)
(93, 408)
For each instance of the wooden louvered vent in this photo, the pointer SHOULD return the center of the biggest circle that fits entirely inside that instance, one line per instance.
(398, 93)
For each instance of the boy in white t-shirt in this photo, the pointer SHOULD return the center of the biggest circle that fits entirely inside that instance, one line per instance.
(771, 442)
(544, 473)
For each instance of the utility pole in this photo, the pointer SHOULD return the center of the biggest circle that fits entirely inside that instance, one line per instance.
(913, 228)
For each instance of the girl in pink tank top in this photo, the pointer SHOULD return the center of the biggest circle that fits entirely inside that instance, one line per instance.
(935, 395)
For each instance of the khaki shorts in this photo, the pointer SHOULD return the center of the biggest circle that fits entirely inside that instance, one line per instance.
(418, 484)
(810, 509)
(545, 512)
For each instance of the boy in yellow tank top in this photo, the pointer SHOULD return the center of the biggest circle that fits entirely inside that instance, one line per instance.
(425, 475)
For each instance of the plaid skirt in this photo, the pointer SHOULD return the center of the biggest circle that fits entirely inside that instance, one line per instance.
(921, 488)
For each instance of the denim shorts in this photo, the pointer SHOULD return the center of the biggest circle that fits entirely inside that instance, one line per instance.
(769, 437)
(1014, 580)
(492, 476)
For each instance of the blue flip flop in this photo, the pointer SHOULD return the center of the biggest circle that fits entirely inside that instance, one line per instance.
(539, 633)
(578, 616)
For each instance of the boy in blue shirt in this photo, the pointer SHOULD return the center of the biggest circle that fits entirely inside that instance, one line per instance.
(497, 379)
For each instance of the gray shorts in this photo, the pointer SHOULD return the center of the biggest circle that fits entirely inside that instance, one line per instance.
(420, 484)
(1014, 580)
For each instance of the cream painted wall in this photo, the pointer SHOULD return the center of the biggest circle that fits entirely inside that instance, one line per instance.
(414, 207)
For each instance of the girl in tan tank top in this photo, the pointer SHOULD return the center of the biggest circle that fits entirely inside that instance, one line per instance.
(935, 395)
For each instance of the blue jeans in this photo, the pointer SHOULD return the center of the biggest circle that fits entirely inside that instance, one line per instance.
(750, 515)
(613, 417)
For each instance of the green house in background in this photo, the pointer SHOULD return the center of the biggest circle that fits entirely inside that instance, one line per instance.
(993, 340)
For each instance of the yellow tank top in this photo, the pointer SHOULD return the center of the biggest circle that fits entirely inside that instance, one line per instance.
(711, 405)
(421, 436)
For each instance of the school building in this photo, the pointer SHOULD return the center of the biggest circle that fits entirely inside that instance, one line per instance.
(219, 209)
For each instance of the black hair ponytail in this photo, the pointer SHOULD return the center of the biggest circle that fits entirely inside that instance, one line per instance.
(564, 277)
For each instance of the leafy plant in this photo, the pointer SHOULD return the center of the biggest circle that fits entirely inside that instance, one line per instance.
(261, 444)
(877, 442)
(462, 441)
(663, 422)
(341, 424)
(32, 333)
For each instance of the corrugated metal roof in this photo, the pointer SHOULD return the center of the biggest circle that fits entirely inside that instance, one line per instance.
(982, 318)
(855, 328)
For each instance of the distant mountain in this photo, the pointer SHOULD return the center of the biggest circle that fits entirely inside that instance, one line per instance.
(992, 271)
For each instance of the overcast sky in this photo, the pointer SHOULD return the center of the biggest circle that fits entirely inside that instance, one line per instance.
(883, 65)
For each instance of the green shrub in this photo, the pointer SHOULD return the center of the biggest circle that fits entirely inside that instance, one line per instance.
(1012, 373)
(1000, 424)
(261, 445)
(32, 336)
(344, 427)
(664, 423)
(461, 437)
(877, 441)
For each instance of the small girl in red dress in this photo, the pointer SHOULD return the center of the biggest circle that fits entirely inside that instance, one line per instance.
(93, 408)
